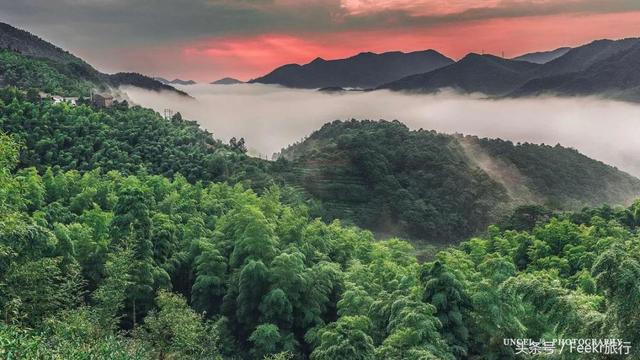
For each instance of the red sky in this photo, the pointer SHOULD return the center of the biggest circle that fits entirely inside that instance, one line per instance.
(208, 39)
(246, 57)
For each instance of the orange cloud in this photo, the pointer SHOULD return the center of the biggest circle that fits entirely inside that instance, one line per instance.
(416, 7)
(249, 56)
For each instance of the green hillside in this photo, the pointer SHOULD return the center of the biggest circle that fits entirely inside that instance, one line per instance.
(436, 187)
(29, 62)
(45, 75)
(128, 139)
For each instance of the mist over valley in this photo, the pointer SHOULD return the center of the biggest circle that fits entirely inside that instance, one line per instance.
(272, 117)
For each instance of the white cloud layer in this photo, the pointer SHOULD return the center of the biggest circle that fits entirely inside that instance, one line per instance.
(271, 117)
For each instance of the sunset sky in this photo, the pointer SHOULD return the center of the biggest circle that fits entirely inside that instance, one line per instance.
(208, 39)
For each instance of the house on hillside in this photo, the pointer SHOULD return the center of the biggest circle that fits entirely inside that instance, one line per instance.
(57, 99)
(69, 100)
(102, 100)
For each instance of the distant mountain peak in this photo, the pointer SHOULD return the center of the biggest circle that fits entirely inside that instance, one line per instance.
(182, 82)
(318, 60)
(474, 73)
(543, 57)
(161, 79)
(472, 55)
(364, 70)
(227, 81)
(475, 56)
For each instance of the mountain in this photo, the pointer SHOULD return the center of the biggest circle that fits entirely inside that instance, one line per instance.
(582, 57)
(615, 75)
(183, 82)
(161, 79)
(227, 81)
(365, 70)
(142, 81)
(70, 74)
(175, 81)
(436, 187)
(543, 57)
(604, 67)
(486, 74)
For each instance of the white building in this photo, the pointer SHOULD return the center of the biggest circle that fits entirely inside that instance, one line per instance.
(69, 100)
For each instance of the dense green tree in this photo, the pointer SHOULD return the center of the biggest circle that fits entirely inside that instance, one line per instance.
(111, 295)
(345, 339)
(617, 273)
(210, 282)
(175, 331)
(448, 295)
(46, 75)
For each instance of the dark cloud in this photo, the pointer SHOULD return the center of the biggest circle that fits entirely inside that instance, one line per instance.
(121, 22)
(118, 23)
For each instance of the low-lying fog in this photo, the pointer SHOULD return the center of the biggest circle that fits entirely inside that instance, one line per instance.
(271, 117)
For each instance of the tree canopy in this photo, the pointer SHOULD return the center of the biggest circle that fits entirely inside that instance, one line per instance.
(117, 266)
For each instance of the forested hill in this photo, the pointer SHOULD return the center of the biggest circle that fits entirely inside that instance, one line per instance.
(123, 138)
(28, 61)
(437, 187)
(46, 75)
(30, 45)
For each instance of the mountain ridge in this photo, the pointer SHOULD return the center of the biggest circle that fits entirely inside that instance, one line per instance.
(227, 81)
(486, 74)
(543, 57)
(363, 70)
(591, 69)
(175, 81)
(615, 76)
